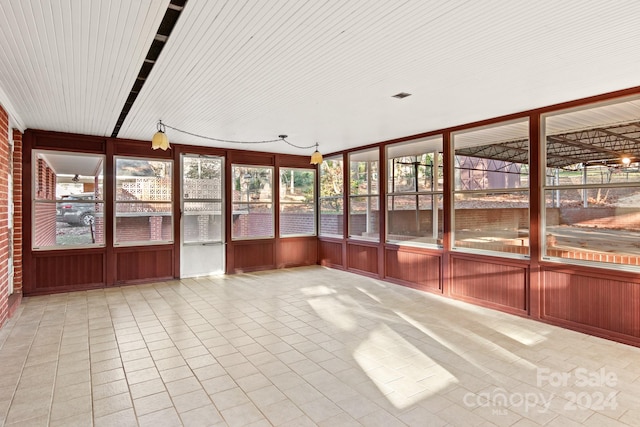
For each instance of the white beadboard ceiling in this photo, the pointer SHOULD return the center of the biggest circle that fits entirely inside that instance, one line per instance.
(320, 71)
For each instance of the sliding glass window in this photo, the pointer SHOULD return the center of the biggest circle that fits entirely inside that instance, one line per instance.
(414, 192)
(491, 189)
(144, 199)
(330, 201)
(364, 199)
(592, 188)
(297, 202)
(252, 202)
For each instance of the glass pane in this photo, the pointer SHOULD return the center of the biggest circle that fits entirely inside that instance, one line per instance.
(363, 177)
(406, 222)
(148, 180)
(252, 184)
(331, 217)
(605, 229)
(143, 222)
(297, 185)
(202, 178)
(331, 178)
(297, 219)
(414, 173)
(603, 136)
(580, 174)
(68, 207)
(495, 157)
(202, 222)
(494, 222)
(364, 217)
(84, 225)
(252, 220)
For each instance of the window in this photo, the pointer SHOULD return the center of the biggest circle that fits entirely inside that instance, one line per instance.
(252, 202)
(414, 192)
(297, 202)
(364, 201)
(491, 189)
(331, 198)
(592, 191)
(143, 205)
(68, 210)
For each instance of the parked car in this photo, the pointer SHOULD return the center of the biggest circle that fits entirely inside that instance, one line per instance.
(77, 209)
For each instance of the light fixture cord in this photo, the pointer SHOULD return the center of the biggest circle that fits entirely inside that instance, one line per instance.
(230, 141)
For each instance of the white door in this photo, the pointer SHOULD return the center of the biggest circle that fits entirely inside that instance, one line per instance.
(202, 219)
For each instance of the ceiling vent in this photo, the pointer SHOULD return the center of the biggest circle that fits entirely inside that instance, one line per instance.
(401, 95)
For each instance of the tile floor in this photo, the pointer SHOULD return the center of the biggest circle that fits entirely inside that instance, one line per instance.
(297, 347)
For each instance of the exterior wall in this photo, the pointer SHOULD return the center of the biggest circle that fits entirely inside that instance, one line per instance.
(17, 211)
(4, 231)
(45, 213)
(143, 228)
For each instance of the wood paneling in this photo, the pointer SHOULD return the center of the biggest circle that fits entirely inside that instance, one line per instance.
(493, 282)
(362, 257)
(330, 253)
(414, 268)
(66, 141)
(592, 301)
(252, 255)
(66, 271)
(297, 251)
(143, 263)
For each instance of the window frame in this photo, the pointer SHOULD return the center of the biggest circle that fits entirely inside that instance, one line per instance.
(436, 192)
(338, 197)
(368, 195)
(314, 232)
(249, 203)
(485, 191)
(35, 200)
(170, 203)
(547, 186)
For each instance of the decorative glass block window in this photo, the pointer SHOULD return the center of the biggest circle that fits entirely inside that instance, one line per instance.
(143, 201)
(297, 202)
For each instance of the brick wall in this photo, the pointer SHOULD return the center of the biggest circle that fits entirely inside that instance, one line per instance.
(297, 223)
(17, 211)
(331, 224)
(4, 232)
(507, 218)
(142, 228)
(605, 217)
(45, 213)
(253, 224)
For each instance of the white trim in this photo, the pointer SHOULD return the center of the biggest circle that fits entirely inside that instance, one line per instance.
(14, 119)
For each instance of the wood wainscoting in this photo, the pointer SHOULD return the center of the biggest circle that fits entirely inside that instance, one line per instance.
(297, 251)
(330, 253)
(362, 257)
(591, 301)
(414, 267)
(490, 281)
(63, 271)
(251, 255)
(143, 263)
